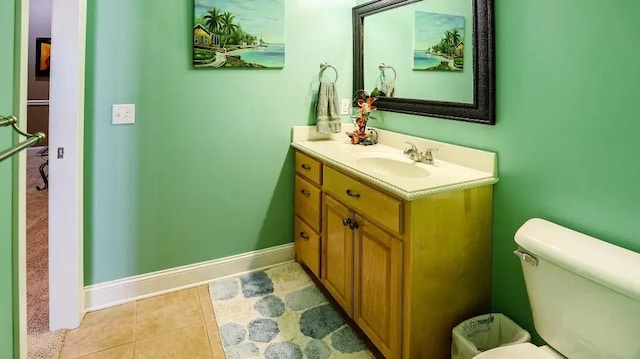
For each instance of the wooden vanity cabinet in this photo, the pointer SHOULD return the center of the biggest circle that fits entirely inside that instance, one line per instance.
(361, 261)
(308, 196)
(362, 269)
(405, 271)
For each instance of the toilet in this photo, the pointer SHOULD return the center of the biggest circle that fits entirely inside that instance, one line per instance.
(584, 295)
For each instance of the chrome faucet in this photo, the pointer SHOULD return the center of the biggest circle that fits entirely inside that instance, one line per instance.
(415, 155)
(412, 152)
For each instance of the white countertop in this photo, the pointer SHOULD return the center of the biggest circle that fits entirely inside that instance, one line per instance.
(455, 167)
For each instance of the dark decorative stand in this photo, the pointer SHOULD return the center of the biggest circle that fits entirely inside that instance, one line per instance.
(44, 154)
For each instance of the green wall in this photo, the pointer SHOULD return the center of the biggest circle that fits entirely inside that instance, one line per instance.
(7, 23)
(567, 132)
(206, 171)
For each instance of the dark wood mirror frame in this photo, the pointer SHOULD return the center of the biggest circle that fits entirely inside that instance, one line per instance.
(482, 110)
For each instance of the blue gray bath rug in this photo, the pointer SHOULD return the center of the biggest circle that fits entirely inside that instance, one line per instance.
(279, 313)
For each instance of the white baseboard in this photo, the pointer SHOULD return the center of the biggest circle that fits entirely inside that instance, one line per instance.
(108, 294)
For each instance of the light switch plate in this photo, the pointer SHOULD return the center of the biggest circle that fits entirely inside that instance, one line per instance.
(345, 103)
(123, 114)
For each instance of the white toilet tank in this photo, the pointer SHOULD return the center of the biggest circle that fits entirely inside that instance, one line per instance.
(584, 292)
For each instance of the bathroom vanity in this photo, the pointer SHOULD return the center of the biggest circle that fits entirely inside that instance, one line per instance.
(403, 247)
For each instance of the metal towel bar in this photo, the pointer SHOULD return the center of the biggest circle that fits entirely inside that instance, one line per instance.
(31, 139)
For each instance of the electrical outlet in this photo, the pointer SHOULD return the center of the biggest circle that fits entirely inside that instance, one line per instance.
(123, 114)
(345, 103)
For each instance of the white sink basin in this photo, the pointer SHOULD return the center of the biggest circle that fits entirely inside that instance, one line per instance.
(392, 166)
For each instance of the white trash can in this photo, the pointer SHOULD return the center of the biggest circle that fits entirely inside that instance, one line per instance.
(484, 332)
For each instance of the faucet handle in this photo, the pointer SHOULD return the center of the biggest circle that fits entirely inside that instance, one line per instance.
(427, 157)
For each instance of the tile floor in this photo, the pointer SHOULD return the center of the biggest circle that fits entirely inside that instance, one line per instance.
(175, 325)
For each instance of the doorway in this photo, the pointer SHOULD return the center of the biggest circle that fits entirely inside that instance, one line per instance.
(65, 200)
(37, 191)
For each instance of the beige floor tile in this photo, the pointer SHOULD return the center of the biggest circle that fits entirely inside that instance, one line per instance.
(121, 352)
(188, 343)
(214, 339)
(167, 312)
(104, 329)
(205, 302)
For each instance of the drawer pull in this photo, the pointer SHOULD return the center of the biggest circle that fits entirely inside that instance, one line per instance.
(305, 193)
(305, 167)
(355, 195)
(304, 236)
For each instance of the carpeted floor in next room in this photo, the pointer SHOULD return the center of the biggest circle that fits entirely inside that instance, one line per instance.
(42, 344)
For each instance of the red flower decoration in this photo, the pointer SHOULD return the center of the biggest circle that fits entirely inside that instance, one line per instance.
(359, 135)
(366, 106)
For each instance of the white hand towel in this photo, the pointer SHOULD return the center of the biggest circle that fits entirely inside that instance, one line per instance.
(328, 109)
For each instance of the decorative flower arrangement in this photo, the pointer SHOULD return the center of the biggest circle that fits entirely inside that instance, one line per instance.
(365, 104)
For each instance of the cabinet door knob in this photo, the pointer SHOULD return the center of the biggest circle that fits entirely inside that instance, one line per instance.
(305, 167)
(355, 195)
(354, 225)
(305, 193)
(347, 222)
(304, 236)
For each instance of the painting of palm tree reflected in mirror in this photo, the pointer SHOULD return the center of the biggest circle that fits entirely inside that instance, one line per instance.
(438, 42)
(238, 34)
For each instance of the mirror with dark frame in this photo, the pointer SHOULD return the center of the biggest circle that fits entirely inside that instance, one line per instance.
(429, 57)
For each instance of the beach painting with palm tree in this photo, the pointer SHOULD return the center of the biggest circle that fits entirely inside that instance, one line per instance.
(238, 33)
(438, 42)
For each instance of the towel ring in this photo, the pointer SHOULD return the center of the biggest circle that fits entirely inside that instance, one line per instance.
(383, 67)
(324, 66)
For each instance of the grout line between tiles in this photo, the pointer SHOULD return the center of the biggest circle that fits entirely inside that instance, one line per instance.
(135, 327)
(206, 327)
(103, 350)
(135, 321)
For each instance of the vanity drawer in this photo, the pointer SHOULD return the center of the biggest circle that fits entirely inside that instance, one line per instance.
(307, 202)
(307, 242)
(365, 199)
(309, 167)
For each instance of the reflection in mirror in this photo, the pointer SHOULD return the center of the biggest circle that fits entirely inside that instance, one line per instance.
(424, 43)
(440, 53)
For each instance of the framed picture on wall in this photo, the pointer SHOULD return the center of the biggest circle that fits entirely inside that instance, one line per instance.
(238, 34)
(43, 56)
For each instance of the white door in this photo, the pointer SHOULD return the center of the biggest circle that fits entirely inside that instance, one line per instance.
(66, 116)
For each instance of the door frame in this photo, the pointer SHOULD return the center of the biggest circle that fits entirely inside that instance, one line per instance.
(66, 130)
(20, 80)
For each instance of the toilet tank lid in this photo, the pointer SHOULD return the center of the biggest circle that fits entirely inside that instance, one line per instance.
(604, 263)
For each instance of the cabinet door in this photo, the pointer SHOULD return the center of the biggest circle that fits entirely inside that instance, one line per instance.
(337, 253)
(378, 286)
